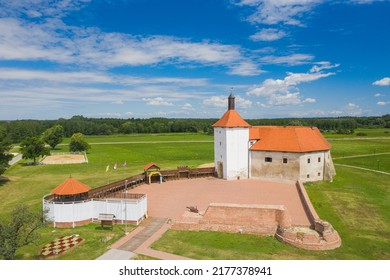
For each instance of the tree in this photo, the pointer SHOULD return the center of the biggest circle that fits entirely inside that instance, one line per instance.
(5, 146)
(77, 143)
(54, 135)
(20, 231)
(33, 147)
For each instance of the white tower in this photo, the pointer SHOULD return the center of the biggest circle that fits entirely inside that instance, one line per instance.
(231, 140)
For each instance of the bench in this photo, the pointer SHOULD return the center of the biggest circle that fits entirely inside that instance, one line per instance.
(106, 220)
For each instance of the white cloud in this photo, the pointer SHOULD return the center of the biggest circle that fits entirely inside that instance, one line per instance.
(268, 34)
(323, 65)
(352, 109)
(382, 103)
(40, 8)
(216, 101)
(382, 82)
(279, 92)
(221, 102)
(158, 101)
(187, 107)
(243, 103)
(53, 41)
(294, 59)
(279, 11)
(377, 95)
(245, 68)
(309, 100)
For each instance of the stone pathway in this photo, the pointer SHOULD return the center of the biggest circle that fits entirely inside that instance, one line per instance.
(154, 224)
(139, 241)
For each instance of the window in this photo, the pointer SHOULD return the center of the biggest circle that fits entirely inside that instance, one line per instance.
(308, 176)
(220, 143)
(319, 159)
(308, 160)
(285, 160)
(268, 159)
(319, 174)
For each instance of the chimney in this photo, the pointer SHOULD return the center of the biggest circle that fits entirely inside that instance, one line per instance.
(231, 105)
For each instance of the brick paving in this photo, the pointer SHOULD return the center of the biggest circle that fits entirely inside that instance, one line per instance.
(170, 199)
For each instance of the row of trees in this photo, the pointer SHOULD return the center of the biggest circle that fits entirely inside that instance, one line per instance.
(20, 129)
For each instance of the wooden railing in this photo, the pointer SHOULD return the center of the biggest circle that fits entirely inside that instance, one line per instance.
(111, 189)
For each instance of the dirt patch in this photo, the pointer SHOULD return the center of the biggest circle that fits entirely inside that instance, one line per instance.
(64, 159)
(206, 165)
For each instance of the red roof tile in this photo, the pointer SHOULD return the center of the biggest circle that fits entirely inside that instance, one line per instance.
(150, 165)
(71, 187)
(231, 119)
(297, 139)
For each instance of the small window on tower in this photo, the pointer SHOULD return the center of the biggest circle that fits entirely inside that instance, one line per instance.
(319, 174)
(285, 160)
(308, 176)
(308, 160)
(319, 159)
(268, 159)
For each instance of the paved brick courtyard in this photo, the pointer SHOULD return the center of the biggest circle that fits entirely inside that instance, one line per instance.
(170, 199)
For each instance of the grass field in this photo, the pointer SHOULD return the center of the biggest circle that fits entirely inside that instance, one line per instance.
(370, 132)
(356, 203)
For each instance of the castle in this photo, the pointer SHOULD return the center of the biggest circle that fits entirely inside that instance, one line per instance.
(276, 152)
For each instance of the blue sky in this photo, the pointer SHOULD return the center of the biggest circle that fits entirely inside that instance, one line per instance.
(172, 58)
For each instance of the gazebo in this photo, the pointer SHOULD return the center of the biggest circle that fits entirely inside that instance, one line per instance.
(71, 190)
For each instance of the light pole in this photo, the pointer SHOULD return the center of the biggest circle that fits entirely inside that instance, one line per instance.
(126, 208)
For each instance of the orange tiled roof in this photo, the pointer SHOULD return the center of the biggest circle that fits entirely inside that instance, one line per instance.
(297, 139)
(71, 187)
(231, 119)
(149, 165)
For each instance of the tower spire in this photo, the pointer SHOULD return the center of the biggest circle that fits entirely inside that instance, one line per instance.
(231, 102)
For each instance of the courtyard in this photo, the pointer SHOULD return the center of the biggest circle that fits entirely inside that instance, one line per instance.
(170, 199)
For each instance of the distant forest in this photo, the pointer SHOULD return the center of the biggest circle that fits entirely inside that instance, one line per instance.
(20, 129)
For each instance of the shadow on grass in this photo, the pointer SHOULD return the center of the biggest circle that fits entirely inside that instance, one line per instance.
(3, 180)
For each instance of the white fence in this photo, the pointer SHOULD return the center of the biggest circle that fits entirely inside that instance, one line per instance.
(130, 210)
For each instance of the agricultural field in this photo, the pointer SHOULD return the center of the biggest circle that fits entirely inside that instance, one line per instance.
(357, 203)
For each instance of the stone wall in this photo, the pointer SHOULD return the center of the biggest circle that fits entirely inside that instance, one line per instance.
(268, 220)
(239, 218)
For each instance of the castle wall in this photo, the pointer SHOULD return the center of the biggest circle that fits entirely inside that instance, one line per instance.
(277, 168)
(290, 166)
(312, 166)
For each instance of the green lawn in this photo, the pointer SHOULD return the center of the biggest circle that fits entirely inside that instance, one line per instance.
(341, 148)
(370, 132)
(377, 162)
(356, 203)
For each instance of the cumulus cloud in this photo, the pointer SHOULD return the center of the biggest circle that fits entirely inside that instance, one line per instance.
(382, 82)
(187, 107)
(279, 92)
(220, 101)
(268, 34)
(157, 101)
(382, 103)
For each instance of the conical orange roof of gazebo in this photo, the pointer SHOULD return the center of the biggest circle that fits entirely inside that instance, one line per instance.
(71, 187)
